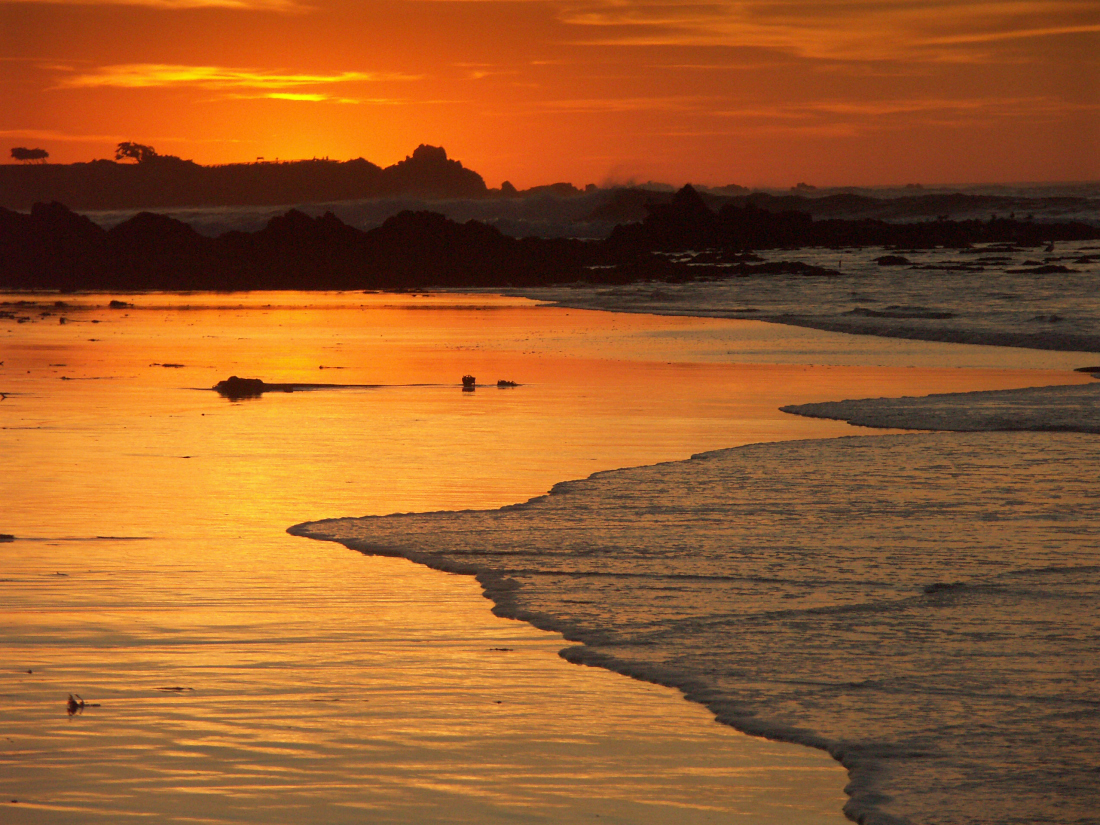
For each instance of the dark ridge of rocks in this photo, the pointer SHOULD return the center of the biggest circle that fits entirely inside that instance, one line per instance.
(687, 222)
(54, 248)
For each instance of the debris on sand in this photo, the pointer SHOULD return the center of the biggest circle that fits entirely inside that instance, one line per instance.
(76, 705)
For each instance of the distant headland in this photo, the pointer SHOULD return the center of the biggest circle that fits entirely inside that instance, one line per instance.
(141, 178)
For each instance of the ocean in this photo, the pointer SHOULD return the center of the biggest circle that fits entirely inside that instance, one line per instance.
(234, 673)
(922, 607)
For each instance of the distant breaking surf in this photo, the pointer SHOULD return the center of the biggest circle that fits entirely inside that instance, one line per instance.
(923, 607)
(991, 295)
(1048, 409)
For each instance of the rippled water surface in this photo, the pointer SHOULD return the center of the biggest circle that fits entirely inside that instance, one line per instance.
(239, 674)
(921, 605)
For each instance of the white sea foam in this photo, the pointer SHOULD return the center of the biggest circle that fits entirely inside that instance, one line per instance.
(1063, 409)
(921, 606)
(985, 295)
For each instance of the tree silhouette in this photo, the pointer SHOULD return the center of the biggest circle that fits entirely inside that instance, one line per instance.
(137, 151)
(21, 153)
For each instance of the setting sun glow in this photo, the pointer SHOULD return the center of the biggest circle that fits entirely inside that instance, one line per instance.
(586, 91)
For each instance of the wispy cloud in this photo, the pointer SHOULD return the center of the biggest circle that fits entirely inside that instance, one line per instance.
(60, 136)
(56, 135)
(280, 6)
(708, 115)
(1019, 34)
(299, 96)
(603, 105)
(150, 75)
(868, 116)
(925, 30)
(317, 97)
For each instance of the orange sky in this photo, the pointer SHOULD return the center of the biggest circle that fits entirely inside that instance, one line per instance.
(756, 92)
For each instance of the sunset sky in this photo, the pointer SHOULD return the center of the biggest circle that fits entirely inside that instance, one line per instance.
(755, 92)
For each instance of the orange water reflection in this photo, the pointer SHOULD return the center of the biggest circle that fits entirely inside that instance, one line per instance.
(326, 684)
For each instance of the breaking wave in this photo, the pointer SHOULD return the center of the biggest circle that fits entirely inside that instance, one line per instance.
(923, 607)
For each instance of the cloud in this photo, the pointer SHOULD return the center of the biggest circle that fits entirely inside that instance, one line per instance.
(51, 134)
(923, 30)
(299, 96)
(280, 6)
(700, 115)
(603, 105)
(149, 75)
(317, 97)
(58, 136)
(988, 37)
(867, 116)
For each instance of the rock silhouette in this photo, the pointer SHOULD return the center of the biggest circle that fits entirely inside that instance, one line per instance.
(55, 248)
(161, 181)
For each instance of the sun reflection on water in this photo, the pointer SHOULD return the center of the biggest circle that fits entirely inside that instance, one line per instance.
(150, 555)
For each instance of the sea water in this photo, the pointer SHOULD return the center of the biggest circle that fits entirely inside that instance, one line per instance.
(924, 607)
(1032, 298)
(234, 673)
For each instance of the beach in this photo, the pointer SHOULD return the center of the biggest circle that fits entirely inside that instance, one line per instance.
(241, 674)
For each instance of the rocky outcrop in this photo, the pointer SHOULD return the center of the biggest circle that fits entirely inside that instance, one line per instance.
(170, 182)
(54, 248)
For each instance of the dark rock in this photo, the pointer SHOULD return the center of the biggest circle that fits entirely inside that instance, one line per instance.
(1045, 269)
(235, 388)
(940, 587)
(53, 248)
(170, 182)
(902, 312)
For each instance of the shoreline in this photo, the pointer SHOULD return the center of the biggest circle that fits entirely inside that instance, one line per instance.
(671, 381)
(1031, 405)
(498, 589)
(493, 535)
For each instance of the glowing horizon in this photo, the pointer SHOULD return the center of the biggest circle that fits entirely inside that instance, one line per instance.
(883, 92)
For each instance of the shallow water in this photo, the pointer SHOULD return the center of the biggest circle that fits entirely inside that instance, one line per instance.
(988, 294)
(924, 606)
(319, 684)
